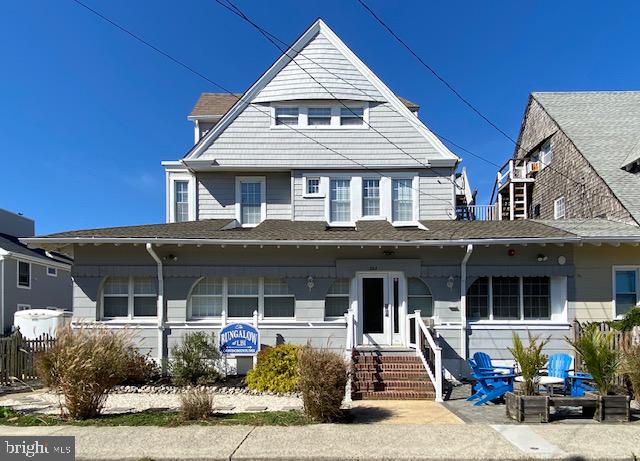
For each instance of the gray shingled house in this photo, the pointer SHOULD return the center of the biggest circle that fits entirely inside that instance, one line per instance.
(319, 205)
(29, 278)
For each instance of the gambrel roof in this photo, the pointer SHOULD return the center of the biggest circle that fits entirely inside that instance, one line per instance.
(319, 67)
(605, 127)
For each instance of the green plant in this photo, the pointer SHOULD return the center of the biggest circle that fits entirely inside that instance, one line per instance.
(195, 404)
(141, 369)
(599, 357)
(276, 370)
(530, 360)
(631, 319)
(630, 366)
(322, 377)
(85, 364)
(194, 360)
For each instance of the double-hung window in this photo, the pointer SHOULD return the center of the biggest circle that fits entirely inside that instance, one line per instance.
(340, 200)
(287, 116)
(278, 302)
(181, 199)
(402, 200)
(626, 292)
(336, 303)
(559, 208)
(243, 296)
(506, 298)
(250, 200)
(370, 197)
(207, 298)
(352, 116)
(546, 154)
(24, 274)
(318, 116)
(126, 297)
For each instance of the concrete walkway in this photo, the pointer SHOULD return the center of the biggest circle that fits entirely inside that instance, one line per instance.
(356, 441)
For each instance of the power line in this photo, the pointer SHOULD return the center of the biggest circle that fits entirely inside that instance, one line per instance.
(268, 112)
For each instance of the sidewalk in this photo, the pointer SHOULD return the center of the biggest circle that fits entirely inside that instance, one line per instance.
(362, 441)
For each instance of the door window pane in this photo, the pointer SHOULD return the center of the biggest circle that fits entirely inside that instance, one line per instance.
(506, 298)
(340, 200)
(181, 201)
(536, 297)
(626, 291)
(251, 202)
(370, 197)
(402, 200)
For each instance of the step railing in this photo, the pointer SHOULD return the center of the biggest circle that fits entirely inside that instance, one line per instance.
(426, 348)
(350, 343)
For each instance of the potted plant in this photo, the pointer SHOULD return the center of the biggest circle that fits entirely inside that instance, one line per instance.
(525, 405)
(601, 360)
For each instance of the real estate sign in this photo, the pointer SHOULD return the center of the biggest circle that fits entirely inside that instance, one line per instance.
(239, 339)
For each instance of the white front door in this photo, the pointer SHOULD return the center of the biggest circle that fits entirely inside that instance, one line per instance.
(381, 308)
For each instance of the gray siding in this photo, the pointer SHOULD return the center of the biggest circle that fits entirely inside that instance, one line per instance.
(250, 141)
(436, 194)
(325, 63)
(306, 208)
(46, 291)
(216, 195)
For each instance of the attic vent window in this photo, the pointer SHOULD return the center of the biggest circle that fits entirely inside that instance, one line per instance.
(319, 116)
(352, 116)
(287, 116)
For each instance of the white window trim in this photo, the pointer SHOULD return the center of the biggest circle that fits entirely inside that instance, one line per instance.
(335, 116)
(557, 294)
(381, 192)
(23, 307)
(355, 197)
(347, 295)
(130, 302)
(225, 302)
(556, 202)
(172, 177)
(614, 269)
(263, 194)
(55, 271)
(18, 262)
(415, 184)
(305, 189)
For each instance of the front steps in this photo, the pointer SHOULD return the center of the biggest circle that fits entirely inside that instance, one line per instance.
(396, 375)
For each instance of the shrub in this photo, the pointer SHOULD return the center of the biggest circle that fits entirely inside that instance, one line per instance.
(530, 361)
(599, 357)
(276, 370)
(85, 364)
(195, 404)
(194, 360)
(141, 369)
(630, 366)
(322, 377)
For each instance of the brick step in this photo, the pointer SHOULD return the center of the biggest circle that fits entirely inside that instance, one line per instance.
(387, 367)
(386, 359)
(393, 395)
(391, 375)
(359, 386)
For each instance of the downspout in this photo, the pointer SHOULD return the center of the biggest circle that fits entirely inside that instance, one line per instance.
(463, 302)
(160, 302)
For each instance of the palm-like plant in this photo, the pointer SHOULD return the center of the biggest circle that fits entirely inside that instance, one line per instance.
(599, 357)
(530, 360)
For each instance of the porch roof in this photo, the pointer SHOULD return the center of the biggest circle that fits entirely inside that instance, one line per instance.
(436, 232)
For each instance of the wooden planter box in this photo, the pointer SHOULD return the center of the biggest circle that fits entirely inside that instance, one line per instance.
(527, 408)
(611, 408)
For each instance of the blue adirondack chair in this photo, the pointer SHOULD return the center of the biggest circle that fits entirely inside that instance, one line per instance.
(575, 383)
(489, 385)
(485, 363)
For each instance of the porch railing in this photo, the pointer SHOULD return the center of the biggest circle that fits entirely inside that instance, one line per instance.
(477, 212)
(430, 353)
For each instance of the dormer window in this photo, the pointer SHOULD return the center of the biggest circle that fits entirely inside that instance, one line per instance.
(287, 116)
(318, 116)
(352, 116)
(251, 208)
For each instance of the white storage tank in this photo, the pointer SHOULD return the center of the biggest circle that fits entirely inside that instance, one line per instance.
(35, 322)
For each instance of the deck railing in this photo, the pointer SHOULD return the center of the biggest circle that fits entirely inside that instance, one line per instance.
(477, 212)
(430, 353)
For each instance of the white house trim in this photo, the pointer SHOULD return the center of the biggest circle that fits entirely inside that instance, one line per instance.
(263, 197)
(614, 269)
(171, 178)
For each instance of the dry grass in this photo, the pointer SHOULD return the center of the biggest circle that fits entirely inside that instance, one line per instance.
(195, 405)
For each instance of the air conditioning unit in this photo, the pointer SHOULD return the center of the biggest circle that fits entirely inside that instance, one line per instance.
(534, 167)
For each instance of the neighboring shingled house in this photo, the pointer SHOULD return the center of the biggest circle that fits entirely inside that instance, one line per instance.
(578, 157)
(29, 278)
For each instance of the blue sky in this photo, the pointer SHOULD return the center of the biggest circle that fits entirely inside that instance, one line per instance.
(87, 114)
